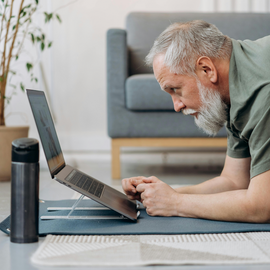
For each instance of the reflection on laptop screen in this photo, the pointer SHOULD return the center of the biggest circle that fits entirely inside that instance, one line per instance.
(46, 130)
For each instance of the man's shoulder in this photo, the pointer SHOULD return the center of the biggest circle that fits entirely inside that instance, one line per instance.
(249, 67)
(252, 47)
(264, 41)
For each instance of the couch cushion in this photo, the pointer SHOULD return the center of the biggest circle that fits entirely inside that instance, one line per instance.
(143, 93)
(144, 27)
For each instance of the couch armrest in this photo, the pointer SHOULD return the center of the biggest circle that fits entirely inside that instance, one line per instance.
(117, 72)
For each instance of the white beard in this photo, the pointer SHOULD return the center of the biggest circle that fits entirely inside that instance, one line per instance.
(214, 112)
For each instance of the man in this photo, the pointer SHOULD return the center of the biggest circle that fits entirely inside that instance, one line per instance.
(219, 81)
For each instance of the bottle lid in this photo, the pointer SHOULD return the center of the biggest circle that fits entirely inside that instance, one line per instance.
(25, 150)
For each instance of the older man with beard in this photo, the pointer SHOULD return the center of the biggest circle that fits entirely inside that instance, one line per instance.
(219, 81)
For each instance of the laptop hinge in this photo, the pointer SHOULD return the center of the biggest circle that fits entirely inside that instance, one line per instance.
(58, 170)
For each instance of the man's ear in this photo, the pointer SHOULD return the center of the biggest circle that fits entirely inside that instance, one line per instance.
(206, 70)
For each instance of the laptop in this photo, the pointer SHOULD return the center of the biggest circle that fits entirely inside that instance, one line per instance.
(67, 175)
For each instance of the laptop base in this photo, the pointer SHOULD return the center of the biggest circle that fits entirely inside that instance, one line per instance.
(74, 207)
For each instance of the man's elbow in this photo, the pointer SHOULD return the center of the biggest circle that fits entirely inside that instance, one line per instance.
(259, 213)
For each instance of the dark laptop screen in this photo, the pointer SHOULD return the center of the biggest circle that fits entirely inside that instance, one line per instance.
(46, 130)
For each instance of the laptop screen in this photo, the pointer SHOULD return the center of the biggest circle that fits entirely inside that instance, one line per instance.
(46, 131)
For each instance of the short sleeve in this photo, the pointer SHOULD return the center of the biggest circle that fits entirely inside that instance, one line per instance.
(236, 148)
(259, 145)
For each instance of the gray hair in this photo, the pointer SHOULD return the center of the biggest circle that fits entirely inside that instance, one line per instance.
(183, 43)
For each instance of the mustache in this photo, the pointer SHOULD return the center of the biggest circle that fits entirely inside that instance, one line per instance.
(188, 111)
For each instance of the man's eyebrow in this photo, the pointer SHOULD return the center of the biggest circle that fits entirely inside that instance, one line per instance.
(164, 88)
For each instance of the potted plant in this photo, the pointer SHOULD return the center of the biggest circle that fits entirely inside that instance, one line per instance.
(16, 26)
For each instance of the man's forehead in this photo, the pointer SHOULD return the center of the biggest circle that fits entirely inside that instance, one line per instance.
(160, 69)
(162, 73)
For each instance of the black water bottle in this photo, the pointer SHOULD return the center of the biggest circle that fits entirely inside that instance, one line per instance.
(24, 191)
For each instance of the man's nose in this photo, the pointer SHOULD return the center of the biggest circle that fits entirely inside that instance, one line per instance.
(178, 104)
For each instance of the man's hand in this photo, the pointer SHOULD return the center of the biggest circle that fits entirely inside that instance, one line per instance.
(129, 186)
(158, 198)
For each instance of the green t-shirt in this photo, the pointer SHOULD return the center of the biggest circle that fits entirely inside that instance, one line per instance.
(249, 118)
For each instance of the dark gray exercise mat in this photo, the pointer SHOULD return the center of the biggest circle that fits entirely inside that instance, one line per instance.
(145, 224)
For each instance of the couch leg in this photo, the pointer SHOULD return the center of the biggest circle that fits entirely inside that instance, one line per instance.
(159, 142)
(116, 169)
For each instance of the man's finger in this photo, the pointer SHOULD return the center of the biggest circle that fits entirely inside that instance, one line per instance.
(141, 188)
(128, 187)
(137, 180)
(150, 179)
(147, 180)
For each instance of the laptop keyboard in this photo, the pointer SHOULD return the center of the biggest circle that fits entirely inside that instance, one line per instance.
(86, 183)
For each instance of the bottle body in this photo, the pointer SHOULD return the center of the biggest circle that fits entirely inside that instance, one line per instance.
(24, 202)
(24, 191)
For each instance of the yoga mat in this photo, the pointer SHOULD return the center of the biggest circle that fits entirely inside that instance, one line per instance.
(144, 225)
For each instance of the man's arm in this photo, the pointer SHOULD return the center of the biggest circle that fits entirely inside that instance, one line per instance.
(243, 202)
(246, 205)
(235, 175)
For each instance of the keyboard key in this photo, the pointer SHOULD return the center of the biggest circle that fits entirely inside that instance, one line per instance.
(74, 177)
(70, 175)
(99, 190)
(87, 183)
(93, 187)
(81, 182)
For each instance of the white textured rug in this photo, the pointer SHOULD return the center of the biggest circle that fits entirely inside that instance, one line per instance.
(234, 248)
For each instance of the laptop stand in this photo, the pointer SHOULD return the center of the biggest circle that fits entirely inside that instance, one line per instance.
(74, 207)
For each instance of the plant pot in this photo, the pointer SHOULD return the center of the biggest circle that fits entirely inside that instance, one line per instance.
(7, 136)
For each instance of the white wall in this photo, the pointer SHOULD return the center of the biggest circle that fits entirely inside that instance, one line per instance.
(75, 67)
(235, 5)
(80, 64)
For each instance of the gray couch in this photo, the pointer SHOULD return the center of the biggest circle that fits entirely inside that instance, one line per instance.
(139, 113)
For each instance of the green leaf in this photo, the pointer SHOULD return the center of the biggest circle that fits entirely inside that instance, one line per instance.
(17, 57)
(32, 37)
(48, 16)
(29, 66)
(38, 38)
(49, 44)
(36, 80)
(58, 18)
(27, 6)
(23, 9)
(37, 2)
(23, 14)
(42, 46)
(14, 27)
(13, 72)
(22, 86)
